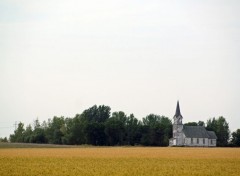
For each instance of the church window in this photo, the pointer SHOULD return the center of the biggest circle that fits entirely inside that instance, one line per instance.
(211, 141)
(191, 140)
(197, 141)
(203, 140)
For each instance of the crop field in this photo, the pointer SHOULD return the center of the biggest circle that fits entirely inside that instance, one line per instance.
(120, 161)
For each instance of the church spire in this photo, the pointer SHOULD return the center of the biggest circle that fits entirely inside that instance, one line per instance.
(178, 113)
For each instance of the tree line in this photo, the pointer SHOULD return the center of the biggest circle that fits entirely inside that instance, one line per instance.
(97, 126)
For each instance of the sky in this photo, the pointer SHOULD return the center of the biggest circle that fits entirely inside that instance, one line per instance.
(58, 58)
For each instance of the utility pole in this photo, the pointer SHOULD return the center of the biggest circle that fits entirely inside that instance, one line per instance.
(15, 124)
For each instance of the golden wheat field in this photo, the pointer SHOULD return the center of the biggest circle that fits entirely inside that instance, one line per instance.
(120, 161)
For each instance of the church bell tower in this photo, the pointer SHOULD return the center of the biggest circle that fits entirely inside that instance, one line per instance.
(177, 127)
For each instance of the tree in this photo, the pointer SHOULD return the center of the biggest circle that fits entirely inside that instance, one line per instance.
(221, 128)
(199, 123)
(75, 130)
(235, 141)
(191, 124)
(55, 130)
(96, 114)
(28, 134)
(115, 128)
(132, 128)
(38, 134)
(94, 120)
(3, 139)
(94, 133)
(18, 135)
(166, 125)
(156, 130)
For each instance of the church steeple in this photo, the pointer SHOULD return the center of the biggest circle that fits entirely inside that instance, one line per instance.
(178, 113)
(177, 127)
(178, 116)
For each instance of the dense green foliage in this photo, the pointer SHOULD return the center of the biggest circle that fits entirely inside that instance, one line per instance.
(221, 128)
(97, 126)
(3, 139)
(200, 123)
(235, 141)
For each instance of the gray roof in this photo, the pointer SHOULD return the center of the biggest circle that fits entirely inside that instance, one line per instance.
(198, 132)
(212, 135)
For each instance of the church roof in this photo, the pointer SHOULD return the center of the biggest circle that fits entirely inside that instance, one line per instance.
(178, 113)
(212, 135)
(198, 132)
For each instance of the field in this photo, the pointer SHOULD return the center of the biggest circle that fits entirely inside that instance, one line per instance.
(119, 161)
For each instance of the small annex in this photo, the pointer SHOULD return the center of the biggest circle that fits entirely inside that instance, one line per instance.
(192, 136)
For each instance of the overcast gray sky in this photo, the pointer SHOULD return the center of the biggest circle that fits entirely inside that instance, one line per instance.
(60, 57)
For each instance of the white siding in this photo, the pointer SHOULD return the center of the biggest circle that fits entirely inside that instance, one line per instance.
(187, 142)
(206, 142)
(174, 142)
(193, 142)
(212, 142)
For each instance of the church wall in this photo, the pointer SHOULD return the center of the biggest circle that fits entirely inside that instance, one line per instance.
(197, 142)
(182, 140)
(194, 141)
(174, 142)
(187, 142)
(206, 142)
(212, 142)
(178, 135)
(171, 142)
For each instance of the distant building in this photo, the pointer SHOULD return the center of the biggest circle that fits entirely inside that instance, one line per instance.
(190, 135)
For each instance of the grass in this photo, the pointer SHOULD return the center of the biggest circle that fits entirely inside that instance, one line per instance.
(120, 161)
(31, 145)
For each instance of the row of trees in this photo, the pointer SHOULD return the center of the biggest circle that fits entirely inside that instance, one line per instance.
(4, 139)
(97, 126)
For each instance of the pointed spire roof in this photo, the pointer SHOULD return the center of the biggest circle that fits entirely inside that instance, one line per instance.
(178, 113)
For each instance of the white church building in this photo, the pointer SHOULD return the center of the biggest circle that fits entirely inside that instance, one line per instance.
(196, 136)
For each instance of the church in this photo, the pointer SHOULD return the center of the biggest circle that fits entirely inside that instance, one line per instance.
(193, 136)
